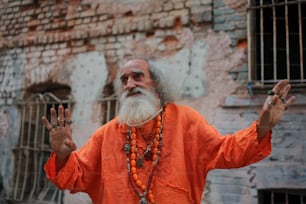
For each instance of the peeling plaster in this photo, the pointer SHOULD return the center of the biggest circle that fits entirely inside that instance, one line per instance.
(239, 6)
(6, 146)
(88, 79)
(11, 72)
(118, 7)
(38, 71)
(221, 59)
(3, 126)
(158, 47)
(89, 75)
(186, 70)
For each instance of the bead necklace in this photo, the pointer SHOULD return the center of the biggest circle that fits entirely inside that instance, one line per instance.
(147, 153)
(149, 136)
(144, 192)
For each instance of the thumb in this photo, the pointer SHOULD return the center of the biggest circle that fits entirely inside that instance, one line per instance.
(70, 144)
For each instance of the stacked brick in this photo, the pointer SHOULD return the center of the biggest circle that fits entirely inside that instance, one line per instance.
(25, 23)
(41, 33)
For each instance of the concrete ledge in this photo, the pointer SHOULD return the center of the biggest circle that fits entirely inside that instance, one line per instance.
(237, 101)
(281, 175)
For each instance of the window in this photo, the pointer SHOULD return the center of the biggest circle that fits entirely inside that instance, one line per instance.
(109, 108)
(277, 36)
(33, 150)
(108, 104)
(282, 196)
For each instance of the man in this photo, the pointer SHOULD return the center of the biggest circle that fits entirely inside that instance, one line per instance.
(155, 151)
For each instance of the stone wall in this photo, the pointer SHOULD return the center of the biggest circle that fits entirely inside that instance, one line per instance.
(79, 45)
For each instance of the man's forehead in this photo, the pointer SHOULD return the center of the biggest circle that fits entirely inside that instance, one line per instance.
(130, 71)
(136, 65)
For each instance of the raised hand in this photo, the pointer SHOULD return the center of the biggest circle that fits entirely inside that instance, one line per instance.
(60, 133)
(274, 107)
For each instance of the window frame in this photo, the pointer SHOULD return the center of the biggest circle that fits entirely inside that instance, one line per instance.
(32, 150)
(261, 85)
(286, 193)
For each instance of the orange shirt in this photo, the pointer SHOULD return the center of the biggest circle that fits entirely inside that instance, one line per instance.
(191, 148)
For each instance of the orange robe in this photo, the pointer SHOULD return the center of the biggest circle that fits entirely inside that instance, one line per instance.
(191, 148)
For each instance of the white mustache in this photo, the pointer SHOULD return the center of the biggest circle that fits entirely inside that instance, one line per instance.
(132, 91)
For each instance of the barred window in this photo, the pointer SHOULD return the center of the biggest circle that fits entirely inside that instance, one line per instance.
(108, 104)
(277, 33)
(33, 150)
(282, 196)
(109, 108)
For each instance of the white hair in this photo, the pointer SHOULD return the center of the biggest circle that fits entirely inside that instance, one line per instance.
(166, 91)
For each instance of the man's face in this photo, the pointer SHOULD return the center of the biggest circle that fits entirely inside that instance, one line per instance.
(135, 73)
(139, 100)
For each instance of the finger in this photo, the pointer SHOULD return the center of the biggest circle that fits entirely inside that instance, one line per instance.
(70, 144)
(270, 102)
(53, 115)
(284, 91)
(290, 100)
(61, 117)
(278, 87)
(46, 123)
(68, 117)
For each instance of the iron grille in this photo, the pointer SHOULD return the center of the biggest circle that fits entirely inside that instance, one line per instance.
(282, 196)
(277, 34)
(32, 151)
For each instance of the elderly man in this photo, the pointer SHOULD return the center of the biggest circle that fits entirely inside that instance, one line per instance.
(155, 151)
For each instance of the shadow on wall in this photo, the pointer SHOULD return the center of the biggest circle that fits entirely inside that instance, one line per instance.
(2, 201)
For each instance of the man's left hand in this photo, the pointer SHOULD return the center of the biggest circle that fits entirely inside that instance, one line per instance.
(274, 107)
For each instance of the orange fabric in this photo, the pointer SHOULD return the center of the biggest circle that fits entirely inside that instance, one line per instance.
(191, 148)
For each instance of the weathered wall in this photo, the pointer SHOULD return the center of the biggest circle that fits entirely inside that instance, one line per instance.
(80, 44)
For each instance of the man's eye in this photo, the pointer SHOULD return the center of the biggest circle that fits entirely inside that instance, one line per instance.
(137, 76)
(124, 80)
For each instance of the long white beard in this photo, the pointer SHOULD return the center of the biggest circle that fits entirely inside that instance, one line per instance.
(139, 108)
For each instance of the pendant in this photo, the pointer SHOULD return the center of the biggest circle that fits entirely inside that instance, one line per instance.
(148, 156)
(143, 201)
(127, 148)
(139, 162)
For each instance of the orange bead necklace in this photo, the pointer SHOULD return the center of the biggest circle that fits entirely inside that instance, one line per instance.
(144, 192)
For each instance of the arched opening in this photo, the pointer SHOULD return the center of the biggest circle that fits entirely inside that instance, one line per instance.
(33, 148)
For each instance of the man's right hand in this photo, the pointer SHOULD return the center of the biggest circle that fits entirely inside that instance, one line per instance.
(60, 134)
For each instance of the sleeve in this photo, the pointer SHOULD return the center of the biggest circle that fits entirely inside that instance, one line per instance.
(79, 172)
(236, 150)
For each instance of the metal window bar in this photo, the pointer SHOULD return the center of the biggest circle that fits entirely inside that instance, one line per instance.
(274, 42)
(273, 196)
(287, 40)
(301, 40)
(261, 6)
(262, 61)
(109, 107)
(33, 150)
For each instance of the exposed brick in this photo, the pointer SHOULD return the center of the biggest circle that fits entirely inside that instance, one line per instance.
(48, 53)
(166, 22)
(182, 12)
(112, 46)
(192, 3)
(168, 6)
(179, 5)
(88, 13)
(79, 49)
(86, 20)
(157, 16)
